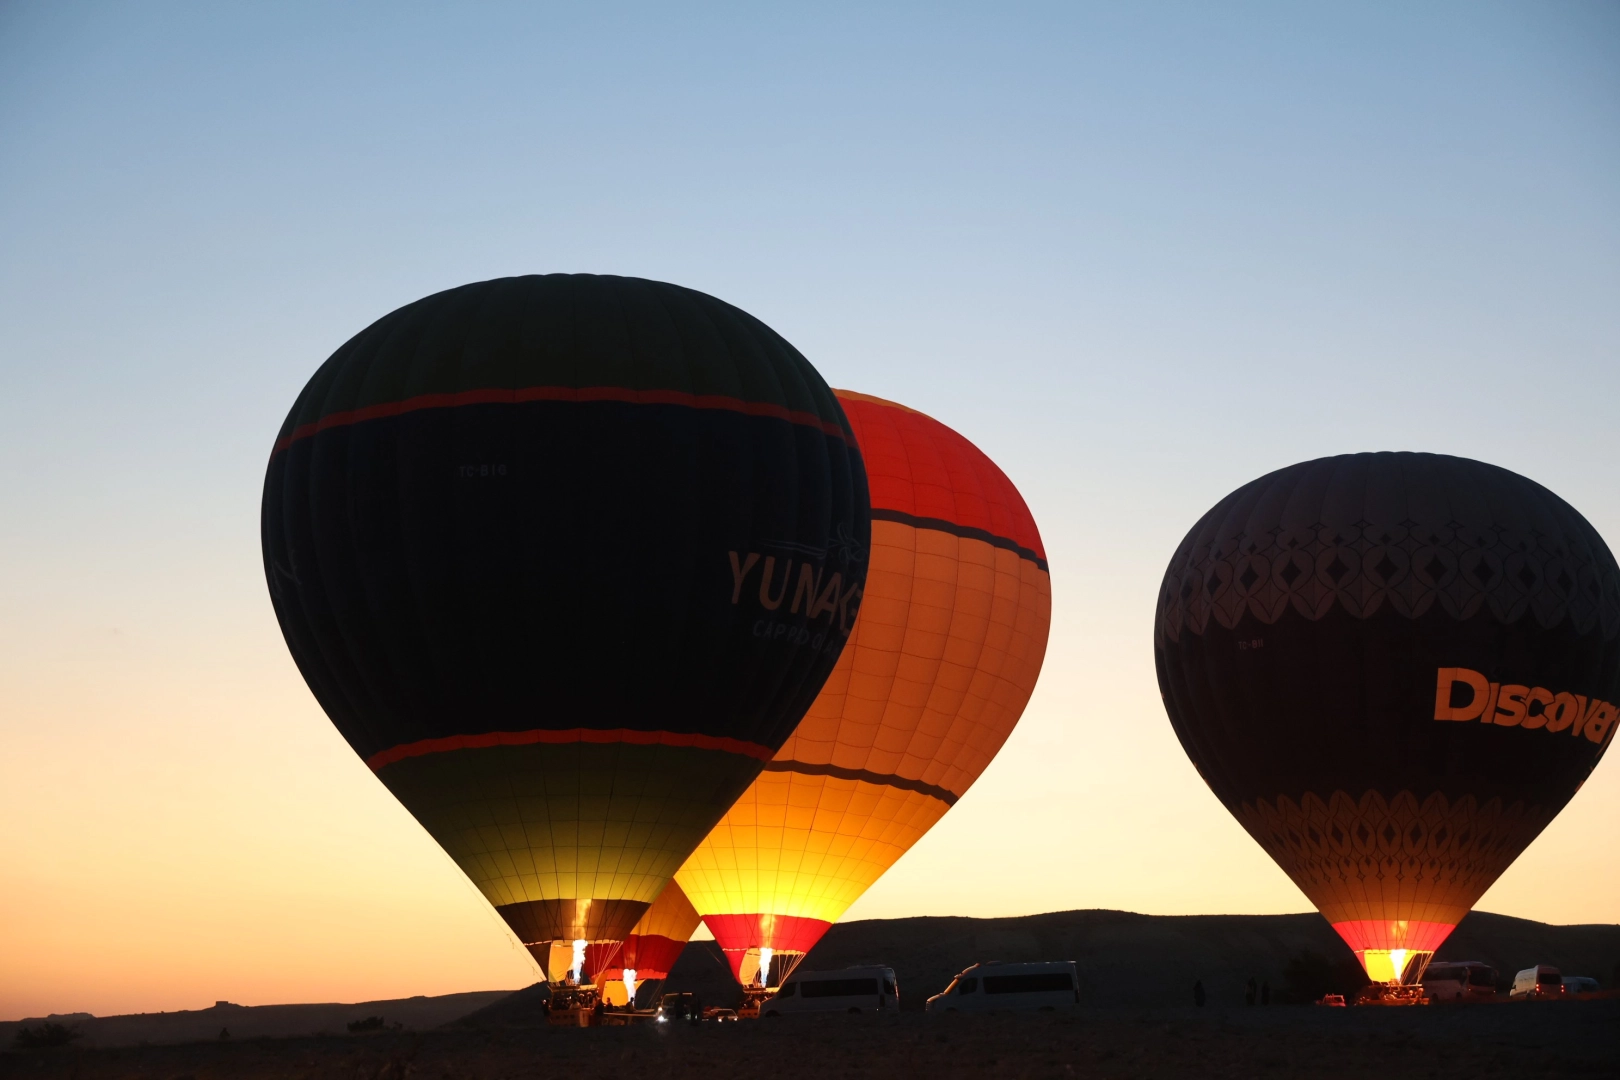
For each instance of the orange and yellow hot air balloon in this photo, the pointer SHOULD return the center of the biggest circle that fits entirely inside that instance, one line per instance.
(940, 664)
(652, 948)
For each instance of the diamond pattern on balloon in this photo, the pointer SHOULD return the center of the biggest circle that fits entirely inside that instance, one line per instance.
(1352, 853)
(1550, 575)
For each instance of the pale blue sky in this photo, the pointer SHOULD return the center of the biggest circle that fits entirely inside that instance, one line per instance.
(1140, 254)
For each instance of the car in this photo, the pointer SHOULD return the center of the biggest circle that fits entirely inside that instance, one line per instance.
(1335, 1001)
(1460, 980)
(1541, 981)
(1050, 984)
(852, 990)
(1580, 984)
(716, 1015)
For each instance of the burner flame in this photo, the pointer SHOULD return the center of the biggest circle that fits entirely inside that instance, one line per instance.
(765, 954)
(576, 969)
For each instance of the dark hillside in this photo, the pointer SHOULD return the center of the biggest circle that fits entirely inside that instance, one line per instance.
(1130, 959)
(1509, 944)
(260, 1021)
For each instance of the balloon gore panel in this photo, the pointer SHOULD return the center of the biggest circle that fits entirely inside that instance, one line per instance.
(440, 599)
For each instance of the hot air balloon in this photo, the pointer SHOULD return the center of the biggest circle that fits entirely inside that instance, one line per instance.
(1394, 669)
(940, 665)
(642, 963)
(514, 534)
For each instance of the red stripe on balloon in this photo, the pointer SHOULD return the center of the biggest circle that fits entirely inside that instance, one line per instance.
(572, 735)
(1412, 935)
(650, 955)
(508, 396)
(736, 934)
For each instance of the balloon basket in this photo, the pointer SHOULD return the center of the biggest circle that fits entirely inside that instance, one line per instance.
(1392, 994)
(570, 1016)
(573, 1006)
(753, 997)
(627, 1017)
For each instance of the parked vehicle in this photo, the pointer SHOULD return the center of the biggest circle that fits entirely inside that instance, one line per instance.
(1541, 981)
(1580, 984)
(714, 1014)
(856, 989)
(1054, 984)
(679, 1007)
(1335, 1001)
(1460, 980)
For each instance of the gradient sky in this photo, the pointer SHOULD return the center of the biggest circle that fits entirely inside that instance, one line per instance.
(1138, 256)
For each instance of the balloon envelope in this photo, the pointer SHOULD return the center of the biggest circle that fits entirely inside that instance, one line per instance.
(941, 663)
(1394, 669)
(504, 529)
(643, 962)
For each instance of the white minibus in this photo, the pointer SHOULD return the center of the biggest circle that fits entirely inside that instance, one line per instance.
(1540, 981)
(1460, 980)
(856, 989)
(1053, 984)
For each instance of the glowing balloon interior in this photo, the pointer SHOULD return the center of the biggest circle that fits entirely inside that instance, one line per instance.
(643, 962)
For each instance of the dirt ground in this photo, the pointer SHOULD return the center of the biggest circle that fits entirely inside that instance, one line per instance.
(1574, 1039)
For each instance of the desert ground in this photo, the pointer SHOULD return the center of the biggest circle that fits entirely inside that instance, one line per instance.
(1136, 1018)
(1569, 1039)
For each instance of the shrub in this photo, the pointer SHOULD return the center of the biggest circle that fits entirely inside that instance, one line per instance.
(46, 1035)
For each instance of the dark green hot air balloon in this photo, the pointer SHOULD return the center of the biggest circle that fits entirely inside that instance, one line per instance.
(1394, 670)
(503, 528)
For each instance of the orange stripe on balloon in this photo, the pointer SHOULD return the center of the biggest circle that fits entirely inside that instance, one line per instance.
(571, 735)
(510, 396)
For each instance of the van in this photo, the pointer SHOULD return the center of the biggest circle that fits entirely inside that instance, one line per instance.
(1581, 984)
(684, 1006)
(1540, 981)
(1460, 980)
(1053, 984)
(855, 990)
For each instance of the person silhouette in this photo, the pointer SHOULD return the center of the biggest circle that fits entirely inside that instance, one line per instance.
(1198, 993)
